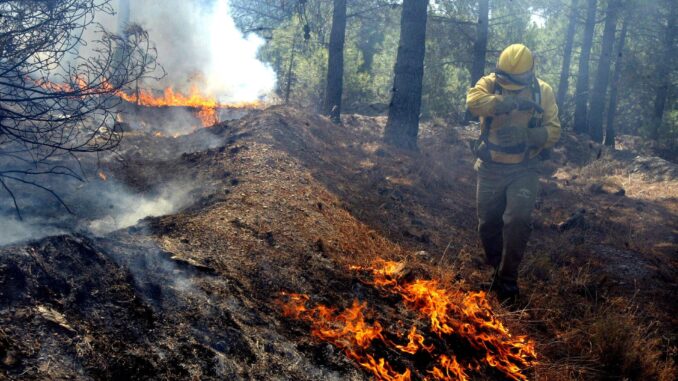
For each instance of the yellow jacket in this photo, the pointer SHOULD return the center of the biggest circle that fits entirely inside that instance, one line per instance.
(481, 100)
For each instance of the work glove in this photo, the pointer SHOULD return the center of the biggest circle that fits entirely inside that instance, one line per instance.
(536, 137)
(512, 136)
(505, 104)
(524, 104)
(508, 103)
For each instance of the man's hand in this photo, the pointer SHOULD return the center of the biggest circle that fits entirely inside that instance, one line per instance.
(505, 104)
(536, 137)
(525, 104)
(508, 103)
(511, 136)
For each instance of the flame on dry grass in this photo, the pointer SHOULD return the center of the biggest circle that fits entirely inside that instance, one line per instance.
(448, 369)
(449, 316)
(206, 105)
(465, 314)
(350, 331)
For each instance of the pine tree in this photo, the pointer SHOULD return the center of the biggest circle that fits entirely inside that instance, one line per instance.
(614, 85)
(599, 92)
(663, 69)
(582, 90)
(335, 62)
(567, 55)
(403, 113)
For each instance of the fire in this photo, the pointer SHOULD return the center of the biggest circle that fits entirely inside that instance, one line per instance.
(465, 314)
(81, 85)
(449, 316)
(449, 370)
(348, 330)
(416, 342)
(205, 105)
(102, 175)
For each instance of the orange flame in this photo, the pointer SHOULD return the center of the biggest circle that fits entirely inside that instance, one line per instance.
(348, 330)
(449, 370)
(450, 315)
(416, 342)
(81, 86)
(207, 106)
(102, 175)
(383, 371)
(465, 314)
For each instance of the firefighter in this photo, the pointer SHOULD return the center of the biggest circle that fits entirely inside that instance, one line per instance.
(518, 122)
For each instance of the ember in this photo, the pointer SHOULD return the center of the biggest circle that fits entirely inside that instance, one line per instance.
(453, 318)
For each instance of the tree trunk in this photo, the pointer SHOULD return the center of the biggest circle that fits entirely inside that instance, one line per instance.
(123, 17)
(370, 36)
(567, 56)
(582, 90)
(599, 92)
(480, 45)
(335, 62)
(612, 107)
(663, 70)
(403, 112)
(288, 85)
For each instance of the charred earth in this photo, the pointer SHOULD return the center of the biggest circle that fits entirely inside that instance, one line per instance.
(280, 214)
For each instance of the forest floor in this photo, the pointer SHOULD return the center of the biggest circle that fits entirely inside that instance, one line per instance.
(282, 202)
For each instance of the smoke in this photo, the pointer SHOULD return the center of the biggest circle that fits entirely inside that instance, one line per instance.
(98, 208)
(199, 46)
(126, 209)
(14, 230)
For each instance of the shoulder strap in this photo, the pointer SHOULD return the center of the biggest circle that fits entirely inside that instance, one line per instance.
(536, 91)
(536, 97)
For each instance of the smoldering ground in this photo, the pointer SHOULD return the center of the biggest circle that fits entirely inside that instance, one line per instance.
(94, 207)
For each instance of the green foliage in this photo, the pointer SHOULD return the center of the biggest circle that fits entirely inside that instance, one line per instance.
(373, 31)
(307, 59)
(668, 131)
(373, 86)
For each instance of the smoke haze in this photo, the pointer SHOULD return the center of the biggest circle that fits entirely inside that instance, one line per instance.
(199, 45)
(98, 208)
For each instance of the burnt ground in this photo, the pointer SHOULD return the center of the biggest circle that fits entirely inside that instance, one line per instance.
(285, 201)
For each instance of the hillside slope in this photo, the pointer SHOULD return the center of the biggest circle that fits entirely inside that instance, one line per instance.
(285, 202)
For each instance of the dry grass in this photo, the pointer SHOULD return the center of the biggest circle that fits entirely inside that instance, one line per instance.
(626, 348)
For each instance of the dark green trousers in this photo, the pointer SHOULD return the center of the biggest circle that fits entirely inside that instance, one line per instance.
(505, 197)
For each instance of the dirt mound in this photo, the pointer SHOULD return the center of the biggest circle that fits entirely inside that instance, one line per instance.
(122, 308)
(656, 168)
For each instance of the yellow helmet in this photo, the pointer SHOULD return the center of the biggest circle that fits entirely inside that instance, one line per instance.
(515, 67)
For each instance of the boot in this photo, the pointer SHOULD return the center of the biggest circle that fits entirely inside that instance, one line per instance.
(507, 292)
(492, 246)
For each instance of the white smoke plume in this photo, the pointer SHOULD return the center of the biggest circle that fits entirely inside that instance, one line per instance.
(98, 209)
(199, 45)
(126, 209)
(14, 230)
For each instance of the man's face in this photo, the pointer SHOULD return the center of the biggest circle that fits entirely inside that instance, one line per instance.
(514, 81)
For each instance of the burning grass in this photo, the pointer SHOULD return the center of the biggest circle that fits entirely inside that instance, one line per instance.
(461, 333)
(206, 106)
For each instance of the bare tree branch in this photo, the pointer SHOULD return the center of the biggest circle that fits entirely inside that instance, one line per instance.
(56, 103)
